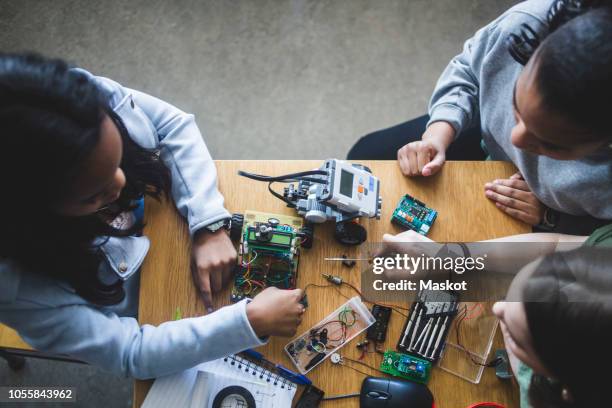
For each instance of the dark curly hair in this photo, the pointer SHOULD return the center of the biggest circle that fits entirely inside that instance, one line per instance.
(574, 61)
(51, 117)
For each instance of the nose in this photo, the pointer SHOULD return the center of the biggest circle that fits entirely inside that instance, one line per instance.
(498, 309)
(521, 138)
(518, 136)
(118, 185)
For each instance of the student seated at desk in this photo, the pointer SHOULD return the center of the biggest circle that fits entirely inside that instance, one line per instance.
(557, 329)
(533, 87)
(557, 317)
(79, 154)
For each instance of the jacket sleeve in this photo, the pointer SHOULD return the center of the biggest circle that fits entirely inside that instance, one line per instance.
(182, 148)
(120, 345)
(456, 96)
(194, 175)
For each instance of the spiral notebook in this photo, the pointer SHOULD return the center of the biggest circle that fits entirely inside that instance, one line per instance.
(199, 386)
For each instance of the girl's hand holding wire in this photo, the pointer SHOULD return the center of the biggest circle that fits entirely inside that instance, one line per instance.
(276, 312)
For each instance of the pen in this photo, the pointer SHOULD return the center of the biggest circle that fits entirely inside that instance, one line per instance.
(291, 376)
(253, 354)
(282, 371)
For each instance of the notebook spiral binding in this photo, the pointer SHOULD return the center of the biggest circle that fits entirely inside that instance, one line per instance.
(248, 366)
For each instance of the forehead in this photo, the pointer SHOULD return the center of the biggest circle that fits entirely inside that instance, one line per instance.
(546, 124)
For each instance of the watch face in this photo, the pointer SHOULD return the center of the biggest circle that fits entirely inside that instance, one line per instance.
(215, 226)
(551, 217)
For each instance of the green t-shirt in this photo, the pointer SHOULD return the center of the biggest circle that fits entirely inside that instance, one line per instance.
(600, 237)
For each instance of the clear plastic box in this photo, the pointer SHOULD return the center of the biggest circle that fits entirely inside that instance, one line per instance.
(330, 334)
(465, 355)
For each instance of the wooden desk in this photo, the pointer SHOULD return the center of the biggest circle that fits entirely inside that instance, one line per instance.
(464, 215)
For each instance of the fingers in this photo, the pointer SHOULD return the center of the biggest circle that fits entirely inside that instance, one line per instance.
(435, 165)
(423, 158)
(527, 218)
(517, 183)
(509, 196)
(415, 159)
(202, 282)
(412, 163)
(517, 176)
(216, 277)
(508, 201)
(514, 197)
(402, 160)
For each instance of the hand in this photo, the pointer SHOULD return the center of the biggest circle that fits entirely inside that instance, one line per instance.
(426, 157)
(213, 260)
(408, 242)
(276, 312)
(514, 197)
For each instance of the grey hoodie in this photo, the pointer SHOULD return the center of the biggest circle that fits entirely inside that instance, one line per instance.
(477, 85)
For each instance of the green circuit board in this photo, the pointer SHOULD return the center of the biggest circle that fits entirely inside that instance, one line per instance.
(412, 214)
(267, 258)
(406, 366)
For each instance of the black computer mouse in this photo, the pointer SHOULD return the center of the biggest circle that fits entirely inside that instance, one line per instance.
(377, 392)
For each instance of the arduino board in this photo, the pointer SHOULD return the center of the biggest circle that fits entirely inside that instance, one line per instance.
(268, 253)
(412, 214)
(405, 366)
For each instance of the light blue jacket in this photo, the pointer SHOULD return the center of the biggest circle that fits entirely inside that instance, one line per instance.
(51, 317)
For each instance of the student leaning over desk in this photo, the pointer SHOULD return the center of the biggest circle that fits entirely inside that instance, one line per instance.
(533, 87)
(556, 319)
(79, 153)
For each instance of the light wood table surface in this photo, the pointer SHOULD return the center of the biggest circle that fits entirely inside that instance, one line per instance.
(465, 214)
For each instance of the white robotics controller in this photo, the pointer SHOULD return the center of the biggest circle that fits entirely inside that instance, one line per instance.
(345, 192)
(338, 191)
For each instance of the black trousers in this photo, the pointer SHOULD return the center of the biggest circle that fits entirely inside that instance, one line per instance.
(384, 144)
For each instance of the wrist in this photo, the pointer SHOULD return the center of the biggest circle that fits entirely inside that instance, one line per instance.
(440, 132)
(205, 233)
(255, 319)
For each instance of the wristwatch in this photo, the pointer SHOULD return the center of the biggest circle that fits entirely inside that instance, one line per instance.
(217, 225)
(549, 220)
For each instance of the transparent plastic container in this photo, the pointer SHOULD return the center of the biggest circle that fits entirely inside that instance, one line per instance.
(315, 345)
(465, 355)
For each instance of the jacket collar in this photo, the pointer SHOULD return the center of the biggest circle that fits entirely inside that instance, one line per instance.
(124, 254)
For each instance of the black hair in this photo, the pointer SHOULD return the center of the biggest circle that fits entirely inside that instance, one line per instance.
(568, 304)
(573, 61)
(51, 116)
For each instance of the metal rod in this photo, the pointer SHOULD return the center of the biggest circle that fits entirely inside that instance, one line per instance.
(432, 335)
(416, 326)
(409, 326)
(426, 334)
(440, 334)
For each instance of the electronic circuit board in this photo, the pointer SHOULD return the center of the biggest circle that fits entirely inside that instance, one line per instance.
(412, 214)
(405, 366)
(268, 253)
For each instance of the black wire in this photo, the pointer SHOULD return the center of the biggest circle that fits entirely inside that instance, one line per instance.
(287, 177)
(356, 369)
(337, 397)
(460, 319)
(336, 288)
(280, 197)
